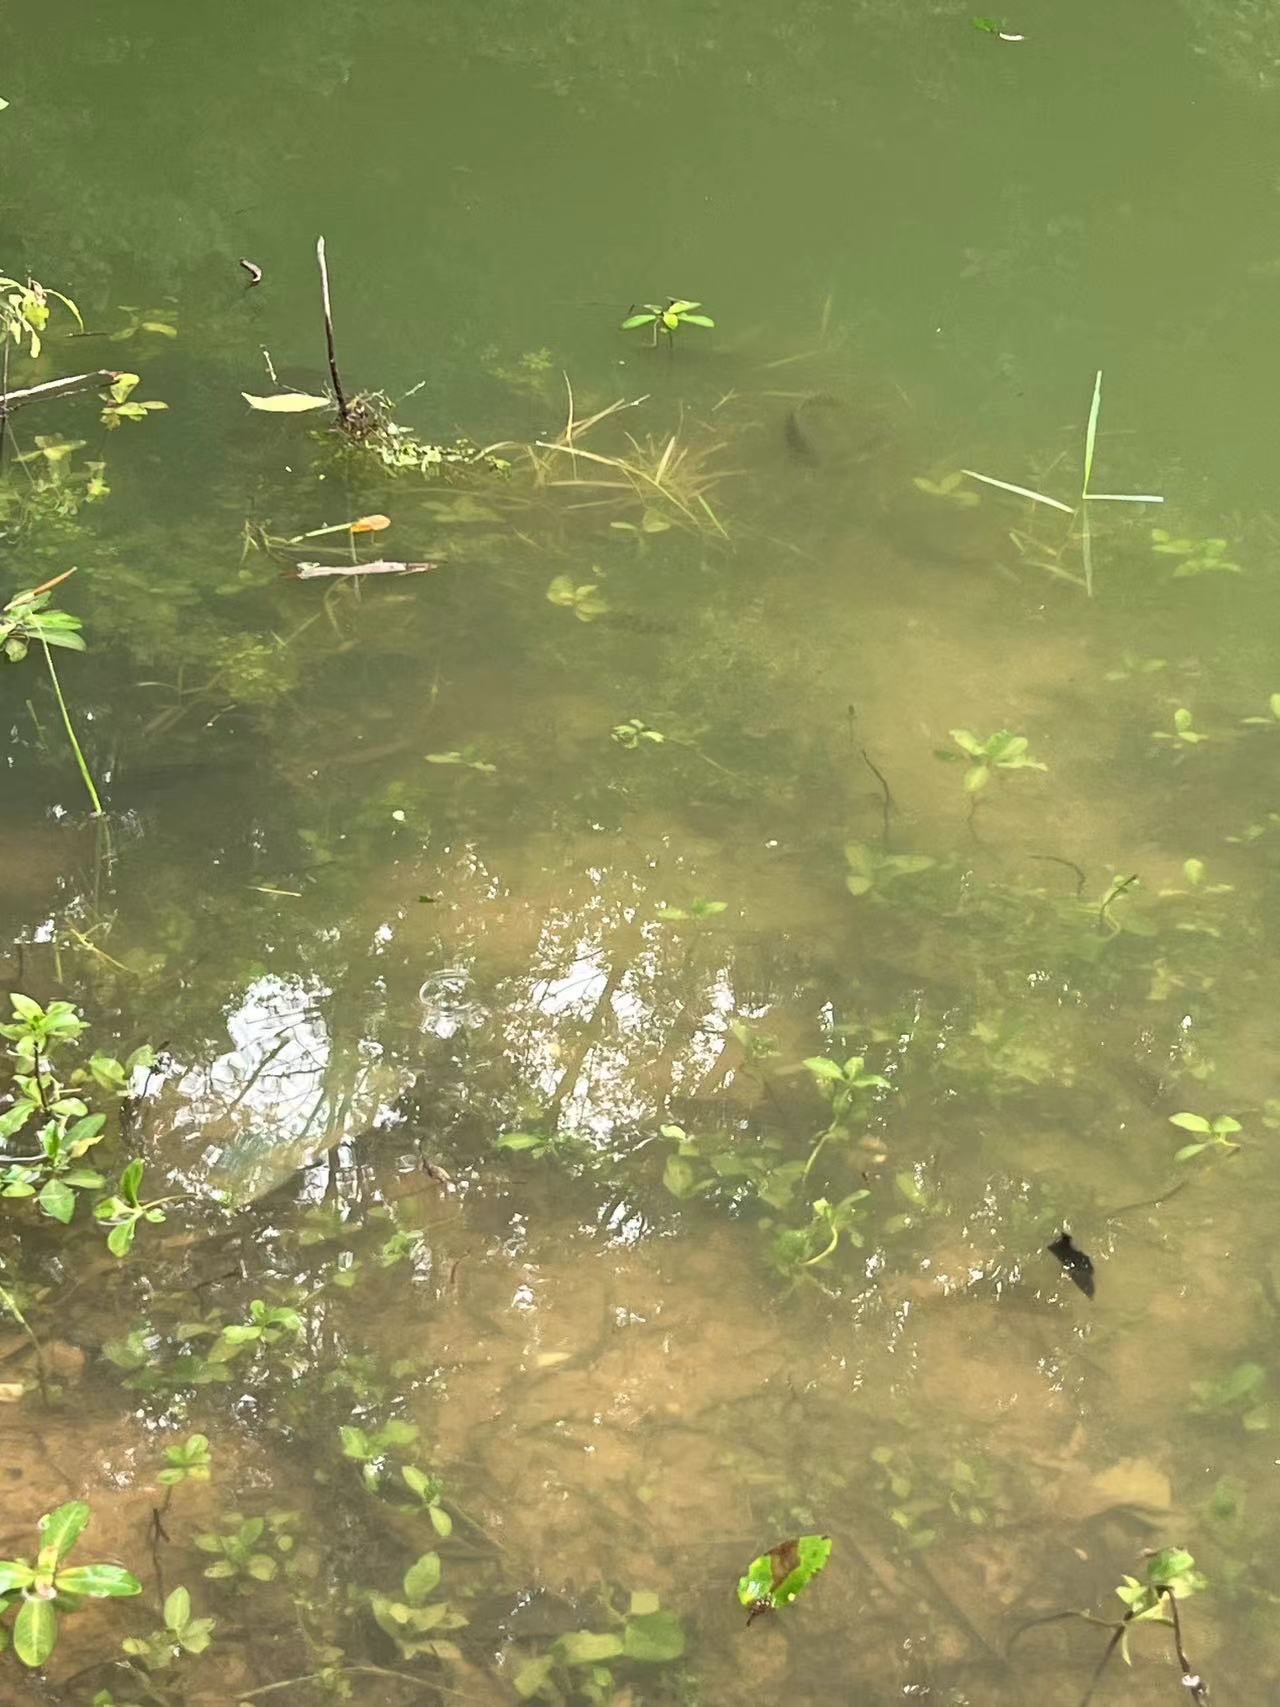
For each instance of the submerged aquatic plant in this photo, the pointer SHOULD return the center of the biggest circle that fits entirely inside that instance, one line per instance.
(667, 318)
(44, 1589)
(1081, 507)
(1211, 1133)
(27, 620)
(871, 869)
(1199, 556)
(1184, 733)
(584, 601)
(1001, 751)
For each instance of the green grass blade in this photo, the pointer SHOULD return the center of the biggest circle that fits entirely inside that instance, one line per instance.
(1019, 491)
(1091, 433)
(1086, 549)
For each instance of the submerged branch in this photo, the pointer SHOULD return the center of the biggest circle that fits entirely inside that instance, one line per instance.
(53, 388)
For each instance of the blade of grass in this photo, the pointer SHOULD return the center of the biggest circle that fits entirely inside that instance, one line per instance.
(1086, 549)
(1124, 497)
(1019, 491)
(1091, 433)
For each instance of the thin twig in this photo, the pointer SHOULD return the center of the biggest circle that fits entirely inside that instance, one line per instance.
(1056, 859)
(344, 407)
(887, 803)
(53, 388)
(365, 1671)
(1191, 1679)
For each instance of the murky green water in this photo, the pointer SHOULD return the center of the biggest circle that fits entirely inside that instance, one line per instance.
(396, 868)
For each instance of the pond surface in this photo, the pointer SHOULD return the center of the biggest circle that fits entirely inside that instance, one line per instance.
(635, 1002)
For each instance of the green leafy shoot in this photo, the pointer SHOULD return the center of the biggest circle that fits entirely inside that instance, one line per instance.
(49, 1586)
(666, 318)
(1001, 751)
(871, 869)
(777, 1578)
(1214, 1133)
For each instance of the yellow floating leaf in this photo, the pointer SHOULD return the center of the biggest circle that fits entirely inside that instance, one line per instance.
(287, 402)
(370, 524)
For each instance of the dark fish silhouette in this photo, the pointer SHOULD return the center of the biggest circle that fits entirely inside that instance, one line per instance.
(1078, 1266)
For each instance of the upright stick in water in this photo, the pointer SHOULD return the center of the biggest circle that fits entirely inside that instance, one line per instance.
(344, 407)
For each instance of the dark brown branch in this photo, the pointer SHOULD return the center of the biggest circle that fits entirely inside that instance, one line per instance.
(344, 407)
(1191, 1679)
(56, 388)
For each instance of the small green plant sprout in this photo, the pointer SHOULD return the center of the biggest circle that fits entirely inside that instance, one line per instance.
(24, 311)
(119, 403)
(182, 1634)
(948, 487)
(122, 1211)
(372, 1450)
(50, 1586)
(413, 1621)
(696, 909)
(1131, 665)
(468, 758)
(679, 1175)
(1183, 734)
(633, 732)
(240, 1557)
(66, 1130)
(1199, 556)
(578, 1665)
(871, 870)
(1270, 720)
(1170, 1575)
(427, 1492)
(999, 752)
(1237, 1393)
(780, 1576)
(1212, 1134)
(1081, 507)
(158, 322)
(667, 318)
(1196, 873)
(268, 1324)
(584, 601)
(845, 1085)
(796, 1249)
(27, 621)
(191, 1461)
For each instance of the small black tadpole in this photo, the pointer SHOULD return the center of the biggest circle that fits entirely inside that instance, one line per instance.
(1078, 1265)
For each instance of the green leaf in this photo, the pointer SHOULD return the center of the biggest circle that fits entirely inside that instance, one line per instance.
(969, 742)
(15, 1118)
(976, 778)
(521, 1141)
(533, 1676)
(422, 1578)
(131, 1181)
(58, 1200)
(356, 1443)
(653, 1637)
(785, 1571)
(35, 1632)
(697, 320)
(287, 402)
(586, 1648)
(15, 1574)
(261, 1567)
(822, 1067)
(25, 1008)
(1190, 1122)
(61, 1529)
(1188, 1151)
(441, 1522)
(177, 1610)
(120, 1238)
(634, 320)
(1224, 1123)
(100, 1582)
(679, 1178)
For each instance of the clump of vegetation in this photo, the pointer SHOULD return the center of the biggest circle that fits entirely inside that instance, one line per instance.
(44, 1589)
(666, 318)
